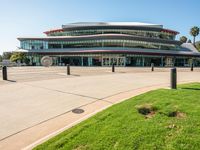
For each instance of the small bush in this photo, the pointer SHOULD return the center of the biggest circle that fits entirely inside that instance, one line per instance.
(172, 114)
(146, 109)
(176, 114)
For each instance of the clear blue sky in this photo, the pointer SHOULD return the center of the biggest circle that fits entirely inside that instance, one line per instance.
(32, 17)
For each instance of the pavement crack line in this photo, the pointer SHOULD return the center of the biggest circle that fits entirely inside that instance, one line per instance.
(80, 95)
(62, 91)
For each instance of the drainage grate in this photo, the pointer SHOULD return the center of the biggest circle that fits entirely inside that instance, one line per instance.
(78, 111)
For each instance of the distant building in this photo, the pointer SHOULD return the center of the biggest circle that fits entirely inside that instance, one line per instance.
(105, 43)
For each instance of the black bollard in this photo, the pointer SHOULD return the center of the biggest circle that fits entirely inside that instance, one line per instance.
(173, 78)
(68, 69)
(4, 72)
(192, 67)
(152, 66)
(113, 68)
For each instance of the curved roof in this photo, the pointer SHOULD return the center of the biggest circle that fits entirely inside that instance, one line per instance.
(112, 25)
(190, 46)
(81, 24)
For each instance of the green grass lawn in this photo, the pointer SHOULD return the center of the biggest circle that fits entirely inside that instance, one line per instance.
(123, 127)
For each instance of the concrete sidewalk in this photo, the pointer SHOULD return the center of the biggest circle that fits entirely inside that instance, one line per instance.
(30, 111)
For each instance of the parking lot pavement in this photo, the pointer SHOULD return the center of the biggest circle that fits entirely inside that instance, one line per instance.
(27, 103)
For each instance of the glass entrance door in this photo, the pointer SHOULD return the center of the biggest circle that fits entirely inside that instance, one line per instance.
(121, 61)
(105, 61)
(118, 61)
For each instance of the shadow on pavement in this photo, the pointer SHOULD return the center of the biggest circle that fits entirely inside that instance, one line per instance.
(198, 89)
(11, 80)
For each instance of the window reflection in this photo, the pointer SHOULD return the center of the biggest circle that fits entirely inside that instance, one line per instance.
(152, 34)
(40, 45)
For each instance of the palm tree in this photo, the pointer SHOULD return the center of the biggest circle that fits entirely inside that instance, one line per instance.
(189, 41)
(194, 31)
(183, 39)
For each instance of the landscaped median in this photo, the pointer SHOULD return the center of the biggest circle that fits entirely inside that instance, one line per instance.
(160, 119)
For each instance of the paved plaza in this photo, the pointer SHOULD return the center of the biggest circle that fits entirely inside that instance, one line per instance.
(26, 74)
(36, 102)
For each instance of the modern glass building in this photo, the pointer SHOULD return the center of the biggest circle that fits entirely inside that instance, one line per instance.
(107, 43)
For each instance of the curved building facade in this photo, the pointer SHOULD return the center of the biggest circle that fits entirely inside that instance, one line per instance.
(104, 44)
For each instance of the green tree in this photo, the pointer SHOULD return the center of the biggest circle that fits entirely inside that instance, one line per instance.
(194, 31)
(26, 60)
(21, 57)
(189, 41)
(1, 58)
(7, 55)
(17, 56)
(183, 39)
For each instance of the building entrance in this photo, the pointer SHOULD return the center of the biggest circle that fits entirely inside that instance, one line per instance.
(118, 61)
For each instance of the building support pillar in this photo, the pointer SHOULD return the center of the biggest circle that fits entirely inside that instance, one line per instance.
(162, 62)
(81, 61)
(89, 61)
(60, 61)
(124, 61)
(174, 61)
(143, 60)
(32, 57)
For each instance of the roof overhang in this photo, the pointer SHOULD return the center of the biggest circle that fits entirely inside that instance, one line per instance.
(21, 50)
(118, 51)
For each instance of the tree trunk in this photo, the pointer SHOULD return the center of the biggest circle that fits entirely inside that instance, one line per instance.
(194, 40)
